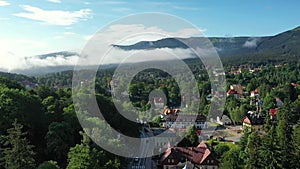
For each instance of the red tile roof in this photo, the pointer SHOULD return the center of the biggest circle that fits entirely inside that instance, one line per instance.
(246, 120)
(273, 111)
(196, 155)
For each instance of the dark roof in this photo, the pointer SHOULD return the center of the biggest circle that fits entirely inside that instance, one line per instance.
(253, 120)
(185, 117)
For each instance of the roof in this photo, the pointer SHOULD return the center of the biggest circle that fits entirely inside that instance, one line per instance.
(186, 117)
(273, 111)
(231, 91)
(196, 155)
(171, 111)
(294, 84)
(246, 120)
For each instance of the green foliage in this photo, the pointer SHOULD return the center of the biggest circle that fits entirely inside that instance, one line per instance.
(269, 149)
(86, 156)
(231, 159)
(79, 157)
(59, 138)
(220, 149)
(296, 145)
(284, 133)
(48, 165)
(191, 135)
(252, 151)
(17, 151)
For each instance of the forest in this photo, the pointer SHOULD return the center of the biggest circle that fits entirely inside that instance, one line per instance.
(39, 126)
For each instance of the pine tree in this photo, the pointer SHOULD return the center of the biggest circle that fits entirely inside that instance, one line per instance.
(269, 149)
(252, 151)
(285, 132)
(296, 145)
(17, 151)
(231, 159)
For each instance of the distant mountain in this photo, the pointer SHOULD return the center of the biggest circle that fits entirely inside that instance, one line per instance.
(283, 43)
(232, 50)
(163, 43)
(55, 54)
(48, 63)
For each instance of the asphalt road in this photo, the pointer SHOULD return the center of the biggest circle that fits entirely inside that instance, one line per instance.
(146, 150)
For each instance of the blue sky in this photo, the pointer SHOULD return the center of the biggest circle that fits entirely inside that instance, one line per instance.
(31, 27)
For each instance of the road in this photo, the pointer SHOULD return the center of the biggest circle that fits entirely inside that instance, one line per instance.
(146, 150)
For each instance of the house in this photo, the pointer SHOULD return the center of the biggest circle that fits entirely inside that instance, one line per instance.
(218, 72)
(246, 122)
(182, 121)
(159, 102)
(164, 139)
(169, 111)
(254, 93)
(273, 113)
(294, 84)
(113, 83)
(192, 157)
(224, 120)
(279, 103)
(29, 85)
(252, 119)
(236, 91)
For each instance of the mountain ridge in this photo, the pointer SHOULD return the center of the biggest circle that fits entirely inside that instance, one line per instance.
(284, 42)
(284, 46)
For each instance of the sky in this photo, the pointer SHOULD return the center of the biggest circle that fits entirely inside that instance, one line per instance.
(32, 27)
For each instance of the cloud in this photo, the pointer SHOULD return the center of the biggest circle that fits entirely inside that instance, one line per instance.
(114, 2)
(11, 52)
(251, 43)
(4, 3)
(139, 33)
(54, 17)
(11, 61)
(55, 1)
(51, 60)
(127, 34)
(185, 8)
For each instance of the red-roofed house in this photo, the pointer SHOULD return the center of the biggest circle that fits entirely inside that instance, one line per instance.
(199, 157)
(246, 122)
(294, 84)
(273, 113)
(235, 90)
